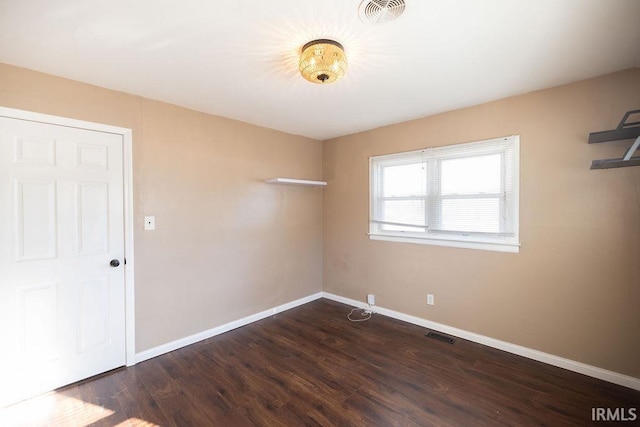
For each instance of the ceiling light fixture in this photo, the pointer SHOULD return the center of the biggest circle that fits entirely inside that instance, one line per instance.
(323, 61)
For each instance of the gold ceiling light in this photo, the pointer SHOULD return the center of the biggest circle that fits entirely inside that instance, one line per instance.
(323, 61)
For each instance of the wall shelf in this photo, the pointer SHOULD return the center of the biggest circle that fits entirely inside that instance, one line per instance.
(625, 130)
(292, 181)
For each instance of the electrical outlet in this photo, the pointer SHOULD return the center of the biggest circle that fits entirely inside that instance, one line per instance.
(430, 299)
(371, 299)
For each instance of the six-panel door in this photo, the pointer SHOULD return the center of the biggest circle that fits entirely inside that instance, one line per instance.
(62, 314)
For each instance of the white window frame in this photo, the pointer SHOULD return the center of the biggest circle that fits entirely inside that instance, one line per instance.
(508, 147)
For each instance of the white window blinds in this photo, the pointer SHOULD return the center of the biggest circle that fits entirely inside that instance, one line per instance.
(466, 193)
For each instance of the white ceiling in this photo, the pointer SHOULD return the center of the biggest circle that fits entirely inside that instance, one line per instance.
(238, 58)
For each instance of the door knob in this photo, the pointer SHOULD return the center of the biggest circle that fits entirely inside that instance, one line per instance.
(114, 263)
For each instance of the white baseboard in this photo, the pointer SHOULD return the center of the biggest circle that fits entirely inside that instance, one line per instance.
(571, 365)
(192, 339)
(550, 359)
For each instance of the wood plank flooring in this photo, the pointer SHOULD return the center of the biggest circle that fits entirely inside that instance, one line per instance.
(310, 366)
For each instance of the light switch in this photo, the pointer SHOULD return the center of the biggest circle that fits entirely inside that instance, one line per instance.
(149, 222)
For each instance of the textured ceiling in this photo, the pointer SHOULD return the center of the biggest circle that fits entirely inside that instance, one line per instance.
(238, 59)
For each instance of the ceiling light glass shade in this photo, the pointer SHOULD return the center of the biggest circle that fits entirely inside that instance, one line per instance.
(323, 61)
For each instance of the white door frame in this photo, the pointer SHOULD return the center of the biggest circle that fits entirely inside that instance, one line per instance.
(127, 163)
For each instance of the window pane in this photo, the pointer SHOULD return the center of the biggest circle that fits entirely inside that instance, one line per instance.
(403, 212)
(471, 175)
(456, 195)
(480, 215)
(404, 180)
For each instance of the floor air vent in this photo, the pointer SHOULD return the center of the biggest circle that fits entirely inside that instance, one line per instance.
(440, 337)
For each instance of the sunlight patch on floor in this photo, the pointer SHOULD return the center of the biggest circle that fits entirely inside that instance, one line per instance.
(53, 409)
(135, 422)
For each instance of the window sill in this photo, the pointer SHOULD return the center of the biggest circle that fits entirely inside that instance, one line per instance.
(486, 246)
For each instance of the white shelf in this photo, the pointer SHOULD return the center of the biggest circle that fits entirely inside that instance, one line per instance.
(291, 181)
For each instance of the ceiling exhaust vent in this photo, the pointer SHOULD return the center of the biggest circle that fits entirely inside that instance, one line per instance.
(380, 11)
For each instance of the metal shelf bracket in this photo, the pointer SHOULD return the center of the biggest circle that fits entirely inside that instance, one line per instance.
(625, 130)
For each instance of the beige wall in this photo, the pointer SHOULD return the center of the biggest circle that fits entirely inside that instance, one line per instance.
(574, 288)
(227, 245)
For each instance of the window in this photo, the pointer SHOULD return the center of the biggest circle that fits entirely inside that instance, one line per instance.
(463, 195)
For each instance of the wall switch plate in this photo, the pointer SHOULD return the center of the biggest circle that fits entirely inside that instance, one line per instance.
(430, 299)
(371, 299)
(149, 222)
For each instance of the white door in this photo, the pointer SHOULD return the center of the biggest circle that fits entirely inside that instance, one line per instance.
(62, 312)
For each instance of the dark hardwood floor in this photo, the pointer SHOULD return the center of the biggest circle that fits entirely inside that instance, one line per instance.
(311, 366)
